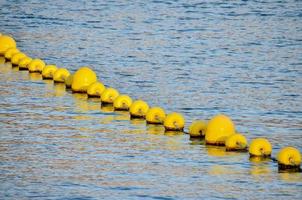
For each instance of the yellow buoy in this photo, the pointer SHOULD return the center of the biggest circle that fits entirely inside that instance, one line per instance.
(139, 109)
(260, 147)
(6, 42)
(15, 59)
(155, 115)
(219, 128)
(289, 158)
(109, 95)
(24, 62)
(82, 78)
(48, 71)
(36, 65)
(122, 102)
(236, 142)
(60, 75)
(95, 89)
(198, 128)
(174, 122)
(68, 81)
(10, 52)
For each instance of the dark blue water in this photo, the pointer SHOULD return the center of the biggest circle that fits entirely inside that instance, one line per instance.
(200, 58)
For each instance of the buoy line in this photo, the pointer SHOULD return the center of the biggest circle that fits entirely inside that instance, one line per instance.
(219, 131)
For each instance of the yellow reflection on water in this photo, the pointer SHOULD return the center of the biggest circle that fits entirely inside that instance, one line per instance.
(257, 170)
(220, 151)
(94, 99)
(9, 64)
(79, 136)
(2, 60)
(174, 142)
(258, 159)
(84, 129)
(107, 119)
(122, 116)
(107, 107)
(197, 141)
(93, 106)
(15, 68)
(49, 88)
(173, 133)
(137, 121)
(59, 89)
(35, 76)
(133, 131)
(48, 81)
(260, 169)
(4, 68)
(155, 129)
(290, 177)
(81, 103)
(220, 170)
(216, 151)
(80, 96)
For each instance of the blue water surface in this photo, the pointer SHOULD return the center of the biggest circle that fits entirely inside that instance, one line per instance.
(200, 58)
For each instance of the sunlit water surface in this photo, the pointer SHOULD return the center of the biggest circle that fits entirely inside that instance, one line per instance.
(241, 58)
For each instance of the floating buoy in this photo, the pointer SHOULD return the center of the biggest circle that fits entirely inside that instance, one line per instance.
(198, 128)
(139, 109)
(289, 158)
(68, 81)
(36, 65)
(174, 122)
(23, 63)
(122, 102)
(10, 52)
(82, 78)
(219, 128)
(236, 142)
(95, 89)
(15, 59)
(48, 71)
(6, 42)
(155, 115)
(109, 95)
(260, 147)
(60, 75)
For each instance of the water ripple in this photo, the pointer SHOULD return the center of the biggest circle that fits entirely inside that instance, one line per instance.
(242, 58)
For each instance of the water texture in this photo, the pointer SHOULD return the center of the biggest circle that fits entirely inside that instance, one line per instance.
(200, 58)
